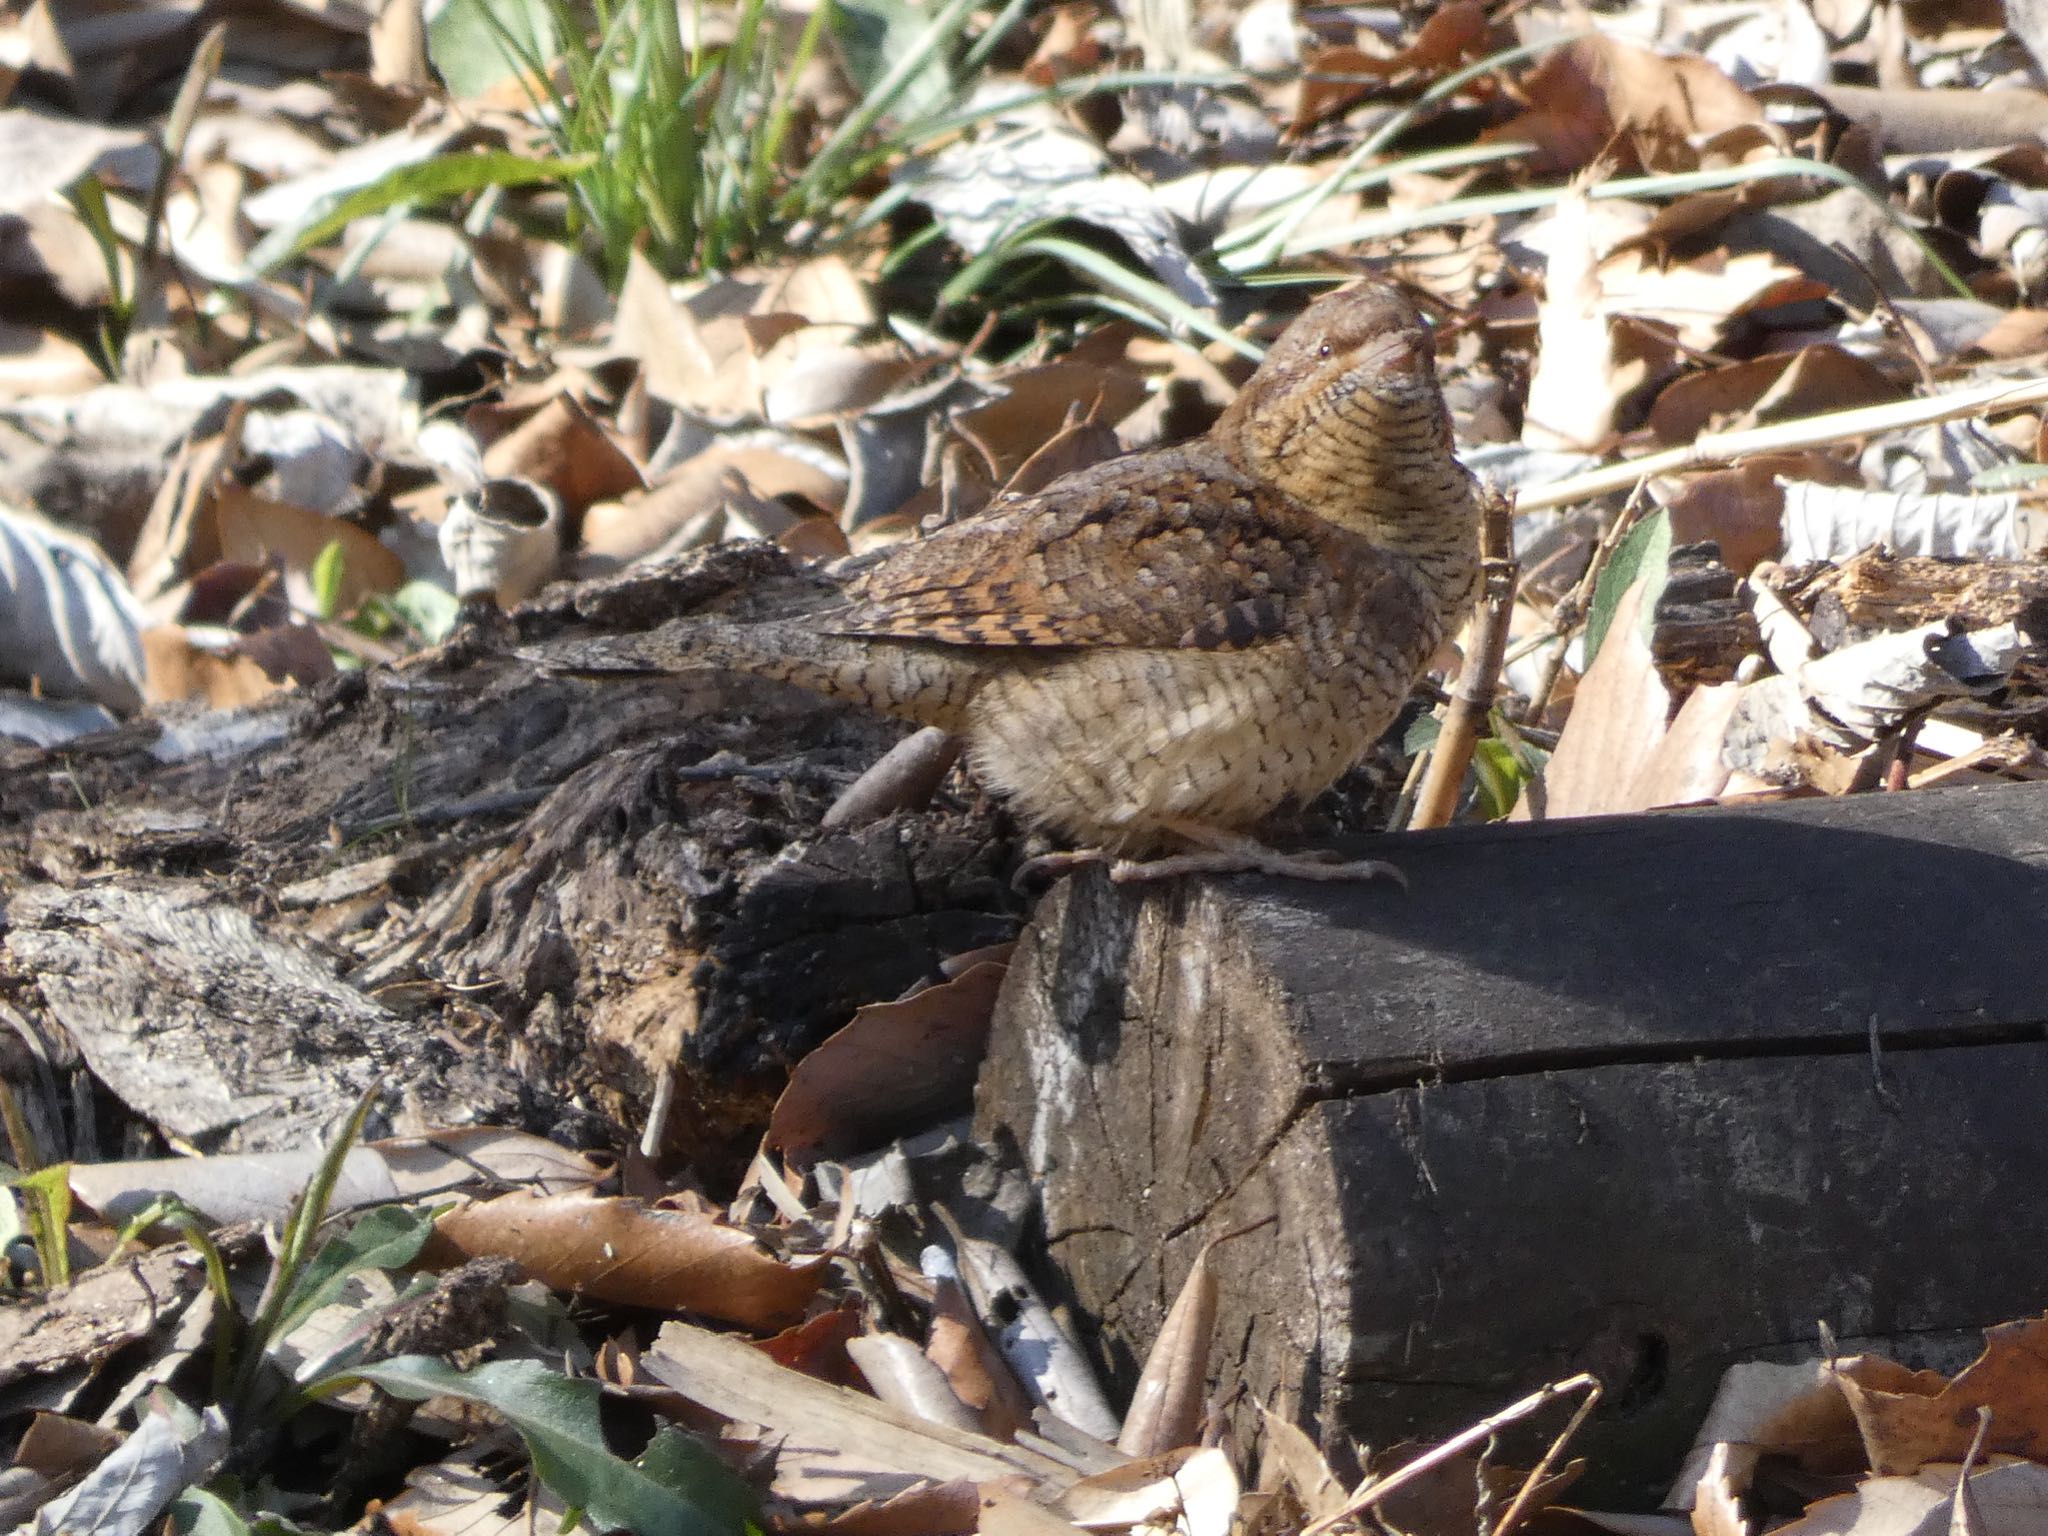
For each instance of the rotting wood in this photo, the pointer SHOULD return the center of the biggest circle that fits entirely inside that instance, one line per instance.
(577, 886)
(1878, 591)
(1639, 1095)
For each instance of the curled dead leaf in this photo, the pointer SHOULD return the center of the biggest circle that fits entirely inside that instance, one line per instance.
(622, 1251)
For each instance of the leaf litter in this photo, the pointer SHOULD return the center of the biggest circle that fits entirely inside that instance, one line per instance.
(369, 325)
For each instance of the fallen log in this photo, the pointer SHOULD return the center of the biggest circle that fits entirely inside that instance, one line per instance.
(1638, 1095)
(510, 896)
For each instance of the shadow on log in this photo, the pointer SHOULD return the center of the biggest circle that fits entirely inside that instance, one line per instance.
(1643, 1096)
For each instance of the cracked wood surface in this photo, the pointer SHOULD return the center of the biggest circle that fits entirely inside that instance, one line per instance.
(1592, 1095)
(514, 898)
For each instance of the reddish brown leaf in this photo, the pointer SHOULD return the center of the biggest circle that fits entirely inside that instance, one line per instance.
(1600, 96)
(621, 1251)
(1909, 1419)
(898, 1066)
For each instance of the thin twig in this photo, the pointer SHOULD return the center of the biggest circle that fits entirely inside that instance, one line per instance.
(1472, 699)
(1541, 1470)
(1369, 1494)
(1963, 1517)
(1712, 448)
(1572, 608)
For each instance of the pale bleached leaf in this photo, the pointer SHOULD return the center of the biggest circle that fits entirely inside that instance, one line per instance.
(1022, 173)
(1827, 522)
(68, 621)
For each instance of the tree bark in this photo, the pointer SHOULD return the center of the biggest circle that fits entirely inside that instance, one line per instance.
(1639, 1095)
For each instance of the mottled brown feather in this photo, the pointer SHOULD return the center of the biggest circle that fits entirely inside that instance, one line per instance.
(1177, 548)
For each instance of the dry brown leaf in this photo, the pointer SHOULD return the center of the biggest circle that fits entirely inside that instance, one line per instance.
(700, 369)
(178, 536)
(1166, 1406)
(619, 532)
(825, 290)
(562, 447)
(1581, 376)
(36, 362)
(1034, 406)
(1077, 445)
(1717, 1500)
(1191, 1491)
(1685, 767)
(1774, 388)
(174, 667)
(813, 375)
(1618, 716)
(621, 1251)
(1331, 77)
(60, 1447)
(1293, 1462)
(257, 531)
(2005, 1498)
(1915, 120)
(817, 1345)
(903, 778)
(1066, 46)
(929, 1509)
(1012, 1514)
(974, 1367)
(1601, 96)
(898, 1372)
(2016, 333)
(898, 1066)
(840, 1443)
(1743, 509)
(463, 1495)
(1908, 1423)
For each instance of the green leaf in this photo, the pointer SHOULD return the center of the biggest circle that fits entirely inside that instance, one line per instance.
(669, 1492)
(427, 608)
(329, 566)
(389, 1237)
(1644, 555)
(429, 181)
(49, 1214)
(1500, 776)
(199, 1513)
(474, 44)
(1421, 735)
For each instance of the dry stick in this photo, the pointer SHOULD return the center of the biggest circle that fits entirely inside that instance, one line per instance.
(1369, 1495)
(1808, 432)
(1472, 699)
(1573, 607)
(1963, 1515)
(1541, 1470)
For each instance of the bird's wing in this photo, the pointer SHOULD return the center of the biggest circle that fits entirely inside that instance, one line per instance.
(1170, 549)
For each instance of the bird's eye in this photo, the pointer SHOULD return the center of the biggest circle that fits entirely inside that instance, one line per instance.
(1323, 350)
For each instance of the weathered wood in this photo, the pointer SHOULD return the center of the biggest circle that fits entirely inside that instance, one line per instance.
(1642, 1095)
(1878, 591)
(591, 885)
(1703, 629)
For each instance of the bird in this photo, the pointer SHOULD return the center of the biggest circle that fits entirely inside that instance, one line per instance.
(1150, 655)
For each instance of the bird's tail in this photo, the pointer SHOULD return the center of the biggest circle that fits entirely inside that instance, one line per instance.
(930, 684)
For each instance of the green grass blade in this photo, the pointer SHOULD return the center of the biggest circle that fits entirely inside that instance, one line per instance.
(809, 192)
(1140, 291)
(430, 181)
(1385, 226)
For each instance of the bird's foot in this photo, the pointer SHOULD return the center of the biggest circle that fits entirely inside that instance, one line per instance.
(1232, 853)
(1048, 867)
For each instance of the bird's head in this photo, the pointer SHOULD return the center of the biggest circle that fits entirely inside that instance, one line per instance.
(1350, 383)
